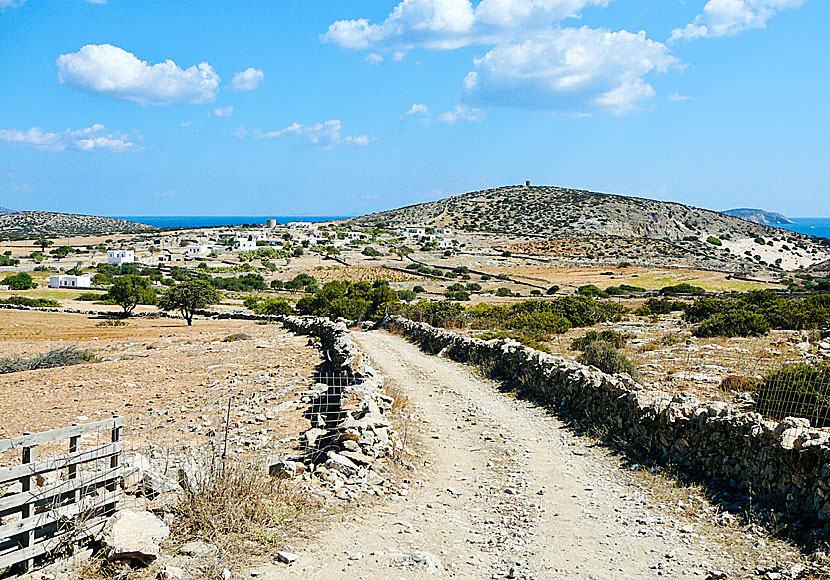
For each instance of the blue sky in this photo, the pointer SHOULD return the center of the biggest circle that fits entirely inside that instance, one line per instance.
(339, 108)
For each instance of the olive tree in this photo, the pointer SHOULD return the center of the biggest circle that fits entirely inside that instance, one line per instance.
(130, 290)
(188, 297)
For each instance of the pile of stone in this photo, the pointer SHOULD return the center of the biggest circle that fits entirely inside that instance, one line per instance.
(350, 429)
(782, 464)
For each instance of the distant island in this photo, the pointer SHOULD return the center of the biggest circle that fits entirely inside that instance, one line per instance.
(5, 210)
(759, 216)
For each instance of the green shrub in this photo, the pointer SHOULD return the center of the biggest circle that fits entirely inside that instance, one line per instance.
(733, 323)
(682, 288)
(31, 302)
(446, 314)
(796, 390)
(504, 291)
(591, 290)
(457, 295)
(352, 300)
(655, 306)
(552, 290)
(714, 241)
(268, 306)
(606, 358)
(20, 281)
(612, 337)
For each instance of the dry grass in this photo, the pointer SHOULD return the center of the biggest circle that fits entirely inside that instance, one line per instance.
(236, 502)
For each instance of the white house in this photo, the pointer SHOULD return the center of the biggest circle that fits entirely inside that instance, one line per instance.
(120, 256)
(67, 281)
(198, 251)
(445, 243)
(245, 245)
(416, 233)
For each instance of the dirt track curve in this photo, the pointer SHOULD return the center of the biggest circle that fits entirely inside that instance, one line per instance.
(502, 490)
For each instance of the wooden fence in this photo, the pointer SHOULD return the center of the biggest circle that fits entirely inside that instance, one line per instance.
(83, 489)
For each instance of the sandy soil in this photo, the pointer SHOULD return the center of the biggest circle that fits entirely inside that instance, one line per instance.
(503, 491)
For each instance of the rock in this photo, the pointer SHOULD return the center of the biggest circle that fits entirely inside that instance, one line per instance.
(198, 549)
(130, 535)
(422, 561)
(286, 468)
(287, 557)
(357, 457)
(341, 463)
(140, 473)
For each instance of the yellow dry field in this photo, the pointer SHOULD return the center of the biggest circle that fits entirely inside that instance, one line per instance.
(171, 382)
(648, 278)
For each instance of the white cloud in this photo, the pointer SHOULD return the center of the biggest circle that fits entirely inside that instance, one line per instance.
(398, 55)
(417, 109)
(326, 135)
(678, 98)
(374, 58)
(108, 70)
(730, 17)
(448, 24)
(11, 3)
(223, 111)
(97, 1)
(461, 113)
(94, 138)
(247, 80)
(571, 70)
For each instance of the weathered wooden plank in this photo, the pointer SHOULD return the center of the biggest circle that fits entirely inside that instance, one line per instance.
(86, 504)
(59, 462)
(41, 494)
(58, 434)
(88, 530)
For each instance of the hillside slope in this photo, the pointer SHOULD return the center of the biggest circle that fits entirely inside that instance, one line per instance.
(550, 213)
(43, 223)
(557, 212)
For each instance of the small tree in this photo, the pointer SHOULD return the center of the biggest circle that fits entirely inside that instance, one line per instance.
(130, 290)
(44, 243)
(188, 297)
(21, 281)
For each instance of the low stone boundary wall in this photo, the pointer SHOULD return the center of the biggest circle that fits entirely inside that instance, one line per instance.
(783, 465)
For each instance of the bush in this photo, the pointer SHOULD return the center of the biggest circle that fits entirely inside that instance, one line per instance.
(31, 302)
(607, 358)
(552, 290)
(503, 291)
(733, 323)
(269, 306)
(714, 241)
(129, 291)
(458, 295)
(655, 306)
(59, 357)
(612, 337)
(419, 289)
(352, 300)
(683, 288)
(591, 290)
(21, 281)
(518, 337)
(796, 390)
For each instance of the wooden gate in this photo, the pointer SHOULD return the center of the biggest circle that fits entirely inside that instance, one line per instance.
(52, 502)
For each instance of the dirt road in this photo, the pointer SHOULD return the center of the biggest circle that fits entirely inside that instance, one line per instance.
(502, 490)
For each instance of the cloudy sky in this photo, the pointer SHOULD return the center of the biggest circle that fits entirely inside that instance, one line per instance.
(338, 108)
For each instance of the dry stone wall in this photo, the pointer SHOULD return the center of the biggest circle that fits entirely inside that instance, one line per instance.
(783, 465)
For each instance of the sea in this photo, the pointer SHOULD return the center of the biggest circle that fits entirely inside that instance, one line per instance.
(819, 227)
(212, 221)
